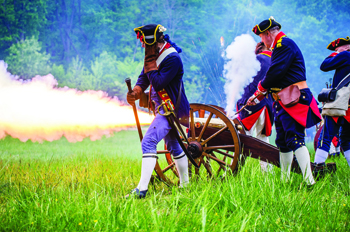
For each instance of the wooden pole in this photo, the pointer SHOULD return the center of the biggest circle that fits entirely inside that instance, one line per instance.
(128, 83)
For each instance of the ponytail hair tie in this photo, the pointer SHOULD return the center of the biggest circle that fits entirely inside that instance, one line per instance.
(167, 38)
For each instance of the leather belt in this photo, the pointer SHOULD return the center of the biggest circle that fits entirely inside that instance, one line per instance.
(275, 91)
(301, 85)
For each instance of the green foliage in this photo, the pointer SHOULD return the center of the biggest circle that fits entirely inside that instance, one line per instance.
(61, 186)
(195, 87)
(109, 73)
(127, 68)
(59, 73)
(26, 60)
(105, 73)
(76, 31)
(20, 19)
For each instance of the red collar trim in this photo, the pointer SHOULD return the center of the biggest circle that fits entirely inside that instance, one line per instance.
(279, 35)
(266, 53)
(333, 54)
(167, 45)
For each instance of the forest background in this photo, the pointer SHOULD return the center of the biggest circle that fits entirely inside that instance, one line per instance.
(91, 44)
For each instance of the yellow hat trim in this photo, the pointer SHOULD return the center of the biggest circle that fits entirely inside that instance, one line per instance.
(144, 37)
(257, 25)
(347, 39)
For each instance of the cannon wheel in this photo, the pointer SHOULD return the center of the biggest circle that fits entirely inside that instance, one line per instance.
(239, 127)
(214, 160)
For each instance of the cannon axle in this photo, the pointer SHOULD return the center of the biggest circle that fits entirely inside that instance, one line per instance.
(195, 149)
(213, 142)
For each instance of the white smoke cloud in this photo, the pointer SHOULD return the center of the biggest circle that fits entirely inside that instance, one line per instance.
(38, 110)
(239, 69)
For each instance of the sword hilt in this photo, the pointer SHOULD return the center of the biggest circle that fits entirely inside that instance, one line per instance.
(166, 111)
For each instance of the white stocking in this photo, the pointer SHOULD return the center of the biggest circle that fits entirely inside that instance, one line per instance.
(320, 156)
(148, 164)
(286, 159)
(181, 164)
(303, 158)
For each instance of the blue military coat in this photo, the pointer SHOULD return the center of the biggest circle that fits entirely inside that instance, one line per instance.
(169, 77)
(288, 67)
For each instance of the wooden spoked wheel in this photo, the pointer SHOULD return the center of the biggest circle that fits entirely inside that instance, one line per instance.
(213, 142)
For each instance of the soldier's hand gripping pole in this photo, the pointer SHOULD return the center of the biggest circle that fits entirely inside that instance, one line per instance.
(128, 83)
(243, 107)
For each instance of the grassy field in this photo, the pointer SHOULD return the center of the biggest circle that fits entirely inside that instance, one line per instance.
(61, 186)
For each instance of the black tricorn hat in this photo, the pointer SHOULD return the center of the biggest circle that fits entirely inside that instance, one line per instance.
(265, 25)
(150, 33)
(338, 42)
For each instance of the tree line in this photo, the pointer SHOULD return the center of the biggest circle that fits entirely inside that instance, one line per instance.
(91, 44)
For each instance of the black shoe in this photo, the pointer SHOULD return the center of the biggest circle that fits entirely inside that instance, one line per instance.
(331, 167)
(308, 187)
(331, 155)
(137, 194)
(319, 170)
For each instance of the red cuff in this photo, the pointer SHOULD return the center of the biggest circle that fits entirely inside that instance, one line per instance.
(333, 54)
(260, 96)
(261, 89)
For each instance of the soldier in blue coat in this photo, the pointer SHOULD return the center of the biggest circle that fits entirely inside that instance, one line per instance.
(163, 72)
(287, 68)
(340, 62)
(258, 118)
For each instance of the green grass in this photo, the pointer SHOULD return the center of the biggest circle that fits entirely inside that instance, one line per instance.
(61, 186)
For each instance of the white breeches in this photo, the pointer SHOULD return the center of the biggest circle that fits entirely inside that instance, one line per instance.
(256, 131)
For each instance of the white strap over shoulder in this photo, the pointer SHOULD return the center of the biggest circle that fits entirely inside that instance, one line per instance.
(164, 54)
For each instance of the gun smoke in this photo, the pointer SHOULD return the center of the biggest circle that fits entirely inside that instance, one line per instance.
(38, 110)
(239, 69)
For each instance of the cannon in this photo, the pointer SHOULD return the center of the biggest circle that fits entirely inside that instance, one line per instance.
(220, 147)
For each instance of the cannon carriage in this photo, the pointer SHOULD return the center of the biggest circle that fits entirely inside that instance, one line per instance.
(220, 147)
(215, 145)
